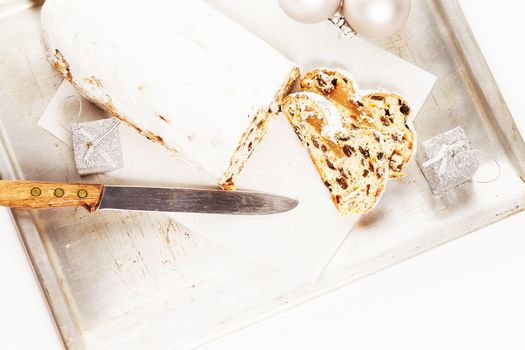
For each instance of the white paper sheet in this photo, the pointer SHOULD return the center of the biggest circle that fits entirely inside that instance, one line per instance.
(301, 241)
(304, 240)
(320, 45)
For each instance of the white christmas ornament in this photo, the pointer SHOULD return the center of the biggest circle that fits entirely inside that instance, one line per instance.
(376, 18)
(310, 11)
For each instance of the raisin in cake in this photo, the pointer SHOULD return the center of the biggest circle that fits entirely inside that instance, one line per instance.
(179, 72)
(387, 113)
(351, 163)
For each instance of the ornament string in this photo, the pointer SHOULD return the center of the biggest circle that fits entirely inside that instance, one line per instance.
(497, 172)
(70, 117)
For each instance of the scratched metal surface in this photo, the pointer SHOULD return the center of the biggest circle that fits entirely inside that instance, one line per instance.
(130, 280)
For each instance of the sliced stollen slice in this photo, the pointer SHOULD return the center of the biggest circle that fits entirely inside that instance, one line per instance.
(351, 163)
(179, 72)
(385, 112)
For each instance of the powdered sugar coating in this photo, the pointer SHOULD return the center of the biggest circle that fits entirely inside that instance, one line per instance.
(192, 86)
(332, 115)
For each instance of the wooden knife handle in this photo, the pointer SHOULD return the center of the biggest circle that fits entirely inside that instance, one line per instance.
(45, 195)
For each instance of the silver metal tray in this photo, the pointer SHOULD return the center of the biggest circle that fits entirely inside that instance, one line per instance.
(122, 280)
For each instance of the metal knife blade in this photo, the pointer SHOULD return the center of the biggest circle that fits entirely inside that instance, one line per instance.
(194, 201)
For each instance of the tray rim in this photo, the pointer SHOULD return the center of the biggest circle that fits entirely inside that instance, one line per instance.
(467, 51)
(470, 54)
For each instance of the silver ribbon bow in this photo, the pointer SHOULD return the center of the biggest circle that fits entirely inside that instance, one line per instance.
(443, 156)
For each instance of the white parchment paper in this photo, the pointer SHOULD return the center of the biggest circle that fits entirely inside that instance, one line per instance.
(302, 241)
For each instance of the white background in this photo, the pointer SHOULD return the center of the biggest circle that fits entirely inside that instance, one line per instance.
(468, 294)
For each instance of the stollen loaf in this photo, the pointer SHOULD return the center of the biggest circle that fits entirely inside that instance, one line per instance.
(179, 72)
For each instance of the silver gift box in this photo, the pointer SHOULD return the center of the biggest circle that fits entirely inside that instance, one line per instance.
(97, 147)
(447, 160)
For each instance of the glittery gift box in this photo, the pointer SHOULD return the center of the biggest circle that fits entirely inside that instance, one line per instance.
(445, 160)
(97, 146)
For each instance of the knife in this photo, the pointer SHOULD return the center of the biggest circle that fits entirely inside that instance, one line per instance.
(45, 195)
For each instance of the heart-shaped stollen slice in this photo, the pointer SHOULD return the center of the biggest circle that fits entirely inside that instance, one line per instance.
(385, 112)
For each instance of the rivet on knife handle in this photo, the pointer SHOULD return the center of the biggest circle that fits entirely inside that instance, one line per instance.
(43, 195)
